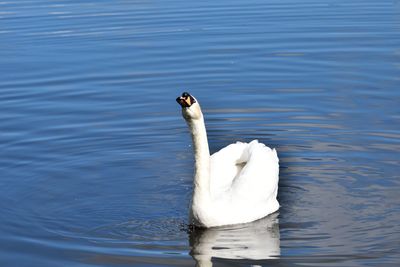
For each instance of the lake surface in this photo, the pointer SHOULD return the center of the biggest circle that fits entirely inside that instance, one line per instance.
(96, 162)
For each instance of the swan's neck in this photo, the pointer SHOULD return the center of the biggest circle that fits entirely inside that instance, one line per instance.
(202, 160)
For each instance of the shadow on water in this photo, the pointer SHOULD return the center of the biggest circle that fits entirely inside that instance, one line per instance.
(259, 240)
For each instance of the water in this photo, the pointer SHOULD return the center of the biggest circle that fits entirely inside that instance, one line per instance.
(96, 163)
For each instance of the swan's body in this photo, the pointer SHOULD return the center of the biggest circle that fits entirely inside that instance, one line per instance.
(237, 184)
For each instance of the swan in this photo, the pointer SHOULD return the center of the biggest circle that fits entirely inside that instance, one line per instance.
(237, 184)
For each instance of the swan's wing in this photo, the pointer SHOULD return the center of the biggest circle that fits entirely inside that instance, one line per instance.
(258, 181)
(225, 166)
(244, 182)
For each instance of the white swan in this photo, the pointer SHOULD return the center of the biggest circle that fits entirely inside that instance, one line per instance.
(237, 184)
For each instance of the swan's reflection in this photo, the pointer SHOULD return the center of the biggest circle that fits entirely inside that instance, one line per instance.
(255, 241)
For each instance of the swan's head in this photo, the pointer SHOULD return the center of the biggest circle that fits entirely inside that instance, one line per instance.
(190, 107)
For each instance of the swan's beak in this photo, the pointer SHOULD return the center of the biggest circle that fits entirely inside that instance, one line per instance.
(186, 100)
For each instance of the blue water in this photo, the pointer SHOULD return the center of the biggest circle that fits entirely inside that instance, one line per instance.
(96, 162)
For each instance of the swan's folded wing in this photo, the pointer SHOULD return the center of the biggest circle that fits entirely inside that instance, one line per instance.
(224, 167)
(244, 181)
(258, 180)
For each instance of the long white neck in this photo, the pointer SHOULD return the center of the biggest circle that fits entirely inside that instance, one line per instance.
(202, 159)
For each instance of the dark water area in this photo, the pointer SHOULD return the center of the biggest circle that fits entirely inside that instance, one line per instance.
(96, 162)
